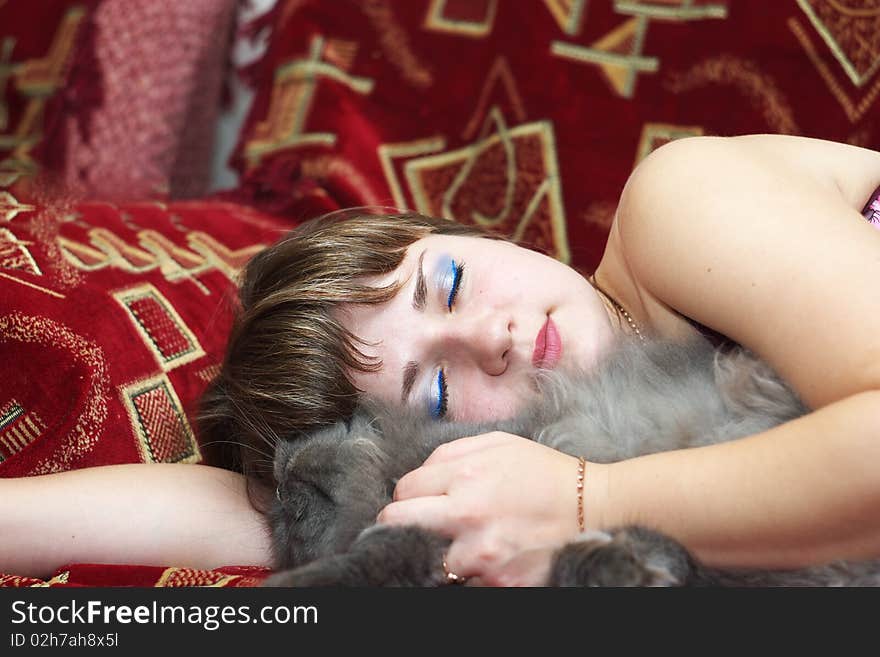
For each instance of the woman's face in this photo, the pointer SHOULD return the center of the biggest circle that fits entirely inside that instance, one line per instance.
(469, 330)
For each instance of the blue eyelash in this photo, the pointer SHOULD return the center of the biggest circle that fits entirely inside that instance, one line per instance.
(458, 273)
(439, 410)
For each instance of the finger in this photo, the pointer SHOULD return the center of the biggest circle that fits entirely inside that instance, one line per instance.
(526, 568)
(425, 481)
(455, 570)
(428, 512)
(472, 555)
(457, 563)
(463, 446)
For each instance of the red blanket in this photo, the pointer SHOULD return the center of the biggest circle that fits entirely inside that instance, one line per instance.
(142, 576)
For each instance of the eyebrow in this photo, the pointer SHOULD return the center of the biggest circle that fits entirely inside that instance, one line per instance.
(420, 293)
(410, 372)
(419, 301)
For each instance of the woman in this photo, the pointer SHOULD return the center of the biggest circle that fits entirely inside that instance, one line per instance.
(757, 239)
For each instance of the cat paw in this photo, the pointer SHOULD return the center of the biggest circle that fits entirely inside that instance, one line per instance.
(617, 559)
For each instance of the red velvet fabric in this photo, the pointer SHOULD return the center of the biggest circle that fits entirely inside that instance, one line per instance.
(117, 99)
(529, 116)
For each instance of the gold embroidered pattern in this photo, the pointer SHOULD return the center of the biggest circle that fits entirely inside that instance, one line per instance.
(854, 111)
(621, 69)
(18, 581)
(18, 429)
(177, 265)
(748, 79)
(160, 326)
(568, 14)
(341, 53)
(60, 578)
(219, 256)
(619, 53)
(208, 374)
(499, 75)
(88, 357)
(33, 286)
(477, 24)
(681, 10)
(193, 577)
(851, 30)
(163, 433)
(10, 207)
(476, 18)
(600, 214)
(290, 101)
(36, 80)
(326, 166)
(519, 163)
(14, 254)
(395, 44)
(387, 153)
(654, 135)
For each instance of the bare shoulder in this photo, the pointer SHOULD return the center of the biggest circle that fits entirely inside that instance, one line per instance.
(761, 239)
(851, 171)
(855, 171)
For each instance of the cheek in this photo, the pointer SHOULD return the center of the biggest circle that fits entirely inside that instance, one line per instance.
(481, 403)
(497, 275)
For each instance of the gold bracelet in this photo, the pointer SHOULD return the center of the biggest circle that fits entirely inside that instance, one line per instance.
(580, 493)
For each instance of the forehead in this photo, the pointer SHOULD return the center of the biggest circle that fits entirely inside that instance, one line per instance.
(433, 245)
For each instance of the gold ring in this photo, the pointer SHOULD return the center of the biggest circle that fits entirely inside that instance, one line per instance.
(451, 577)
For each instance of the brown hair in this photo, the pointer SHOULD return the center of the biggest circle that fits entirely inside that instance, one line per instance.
(285, 369)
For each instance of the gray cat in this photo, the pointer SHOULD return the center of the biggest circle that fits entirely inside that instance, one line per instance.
(642, 398)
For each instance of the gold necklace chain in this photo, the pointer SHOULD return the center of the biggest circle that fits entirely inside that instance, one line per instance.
(628, 319)
(620, 309)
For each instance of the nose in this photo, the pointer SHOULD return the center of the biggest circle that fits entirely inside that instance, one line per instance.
(482, 337)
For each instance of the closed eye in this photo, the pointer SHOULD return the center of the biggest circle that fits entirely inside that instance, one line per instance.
(457, 276)
(438, 407)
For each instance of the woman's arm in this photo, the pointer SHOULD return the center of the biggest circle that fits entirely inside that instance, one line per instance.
(769, 249)
(147, 514)
(802, 493)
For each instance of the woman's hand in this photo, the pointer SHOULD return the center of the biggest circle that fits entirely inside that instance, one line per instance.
(498, 496)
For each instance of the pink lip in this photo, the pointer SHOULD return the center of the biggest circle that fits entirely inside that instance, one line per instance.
(548, 346)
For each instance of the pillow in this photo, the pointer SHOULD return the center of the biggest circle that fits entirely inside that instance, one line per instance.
(528, 117)
(116, 98)
(113, 319)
